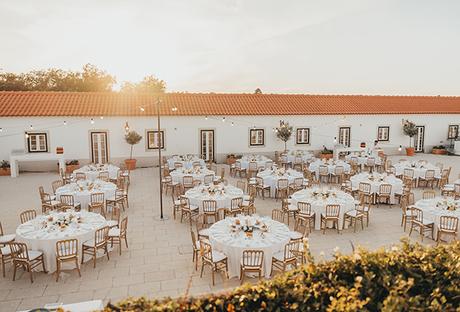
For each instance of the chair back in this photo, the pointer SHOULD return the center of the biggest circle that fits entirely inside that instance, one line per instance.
(301, 226)
(408, 173)
(278, 215)
(297, 160)
(187, 181)
(417, 214)
(385, 189)
(19, 251)
(27, 215)
(241, 185)
(194, 242)
(323, 170)
(236, 203)
(298, 182)
(304, 208)
(100, 237)
(252, 166)
(370, 161)
(123, 226)
(221, 213)
(178, 165)
(208, 179)
(56, 184)
(115, 214)
(104, 176)
(67, 248)
(282, 184)
(429, 175)
(259, 181)
(253, 258)
(67, 200)
(80, 176)
(354, 160)
(457, 189)
(448, 223)
(332, 211)
(184, 201)
(364, 187)
(209, 206)
(339, 170)
(206, 251)
(429, 194)
(97, 198)
(290, 251)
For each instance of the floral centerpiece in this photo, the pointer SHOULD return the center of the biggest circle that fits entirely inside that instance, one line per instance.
(279, 172)
(323, 194)
(195, 170)
(85, 185)
(213, 190)
(248, 226)
(61, 221)
(448, 204)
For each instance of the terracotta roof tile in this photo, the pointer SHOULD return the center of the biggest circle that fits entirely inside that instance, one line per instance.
(189, 104)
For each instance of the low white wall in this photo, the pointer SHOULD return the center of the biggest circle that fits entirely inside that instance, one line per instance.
(182, 133)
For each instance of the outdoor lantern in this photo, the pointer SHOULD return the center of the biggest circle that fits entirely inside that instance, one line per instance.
(126, 127)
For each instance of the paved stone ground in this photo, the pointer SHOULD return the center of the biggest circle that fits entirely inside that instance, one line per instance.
(159, 260)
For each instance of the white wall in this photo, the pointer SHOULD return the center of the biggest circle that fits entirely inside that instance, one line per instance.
(182, 133)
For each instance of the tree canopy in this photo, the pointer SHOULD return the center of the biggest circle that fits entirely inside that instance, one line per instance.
(89, 79)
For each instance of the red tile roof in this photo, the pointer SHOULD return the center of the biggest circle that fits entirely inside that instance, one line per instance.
(188, 104)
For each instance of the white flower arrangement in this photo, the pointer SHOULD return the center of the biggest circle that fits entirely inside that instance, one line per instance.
(448, 204)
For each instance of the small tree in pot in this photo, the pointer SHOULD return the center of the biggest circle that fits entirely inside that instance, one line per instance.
(5, 168)
(284, 132)
(409, 129)
(132, 138)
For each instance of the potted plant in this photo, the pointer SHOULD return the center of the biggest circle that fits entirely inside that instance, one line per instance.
(5, 169)
(439, 150)
(284, 132)
(132, 138)
(72, 165)
(326, 153)
(409, 129)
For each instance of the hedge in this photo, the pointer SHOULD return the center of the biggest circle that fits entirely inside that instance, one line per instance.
(407, 277)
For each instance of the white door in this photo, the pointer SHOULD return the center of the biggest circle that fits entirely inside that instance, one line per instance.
(419, 139)
(207, 145)
(344, 136)
(99, 148)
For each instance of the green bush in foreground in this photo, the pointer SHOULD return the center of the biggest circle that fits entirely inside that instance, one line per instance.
(406, 278)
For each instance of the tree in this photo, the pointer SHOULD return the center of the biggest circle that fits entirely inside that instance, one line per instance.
(258, 91)
(409, 129)
(284, 132)
(148, 85)
(132, 138)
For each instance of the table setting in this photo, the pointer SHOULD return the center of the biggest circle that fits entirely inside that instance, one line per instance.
(234, 235)
(304, 155)
(363, 156)
(82, 190)
(436, 207)
(319, 198)
(271, 177)
(222, 194)
(330, 164)
(419, 167)
(92, 171)
(259, 159)
(375, 180)
(44, 231)
(198, 173)
(186, 161)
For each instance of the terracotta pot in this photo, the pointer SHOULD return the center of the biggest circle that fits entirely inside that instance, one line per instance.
(410, 151)
(71, 168)
(5, 172)
(439, 151)
(326, 156)
(130, 164)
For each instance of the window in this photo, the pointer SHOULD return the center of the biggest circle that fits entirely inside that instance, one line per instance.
(383, 133)
(453, 132)
(303, 136)
(256, 137)
(153, 141)
(344, 136)
(37, 142)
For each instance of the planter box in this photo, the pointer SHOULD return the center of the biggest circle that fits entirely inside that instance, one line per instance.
(410, 151)
(5, 172)
(130, 164)
(439, 151)
(71, 168)
(326, 156)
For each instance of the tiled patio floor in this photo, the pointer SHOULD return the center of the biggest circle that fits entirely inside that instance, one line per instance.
(159, 260)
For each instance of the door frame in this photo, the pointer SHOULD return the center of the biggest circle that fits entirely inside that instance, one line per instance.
(423, 141)
(107, 145)
(349, 135)
(200, 130)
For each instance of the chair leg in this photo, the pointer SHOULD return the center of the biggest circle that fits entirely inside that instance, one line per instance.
(3, 267)
(31, 274)
(57, 270)
(14, 272)
(78, 268)
(94, 258)
(202, 269)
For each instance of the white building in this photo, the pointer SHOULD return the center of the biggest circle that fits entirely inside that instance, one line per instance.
(91, 126)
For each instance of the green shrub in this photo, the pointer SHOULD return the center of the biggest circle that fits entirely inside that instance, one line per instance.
(406, 278)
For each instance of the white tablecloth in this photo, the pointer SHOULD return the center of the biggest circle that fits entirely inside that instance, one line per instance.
(200, 193)
(271, 177)
(92, 172)
(331, 164)
(233, 244)
(433, 213)
(44, 239)
(304, 155)
(362, 158)
(318, 204)
(186, 161)
(259, 159)
(83, 195)
(420, 169)
(379, 179)
(178, 174)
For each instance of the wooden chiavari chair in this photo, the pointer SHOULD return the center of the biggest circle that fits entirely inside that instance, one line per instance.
(5, 250)
(281, 260)
(384, 194)
(364, 193)
(221, 178)
(262, 187)
(240, 171)
(195, 248)
(428, 180)
(301, 228)
(80, 176)
(282, 189)
(104, 176)
(117, 235)
(213, 258)
(27, 215)
(121, 196)
(26, 259)
(66, 178)
(298, 163)
(241, 185)
(457, 190)
(67, 202)
(285, 163)
(419, 222)
(448, 225)
(408, 176)
(175, 199)
(222, 213)
(187, 182)
(296, 185)
(97, 203)
(332, 215)
(201, 225)
(304, 211)
(288, 209)
(337, 175)
(252, 169)
(210, 210)
(251, 262)
(187, 210)
(429, 195)
(56, 184)
(352, 217)
(236, 206)
(113, 215)
(208, 179)
(370, 164)
(278, 215)
(406, 208)
(66, 251)
(323, 174)
(92, 246)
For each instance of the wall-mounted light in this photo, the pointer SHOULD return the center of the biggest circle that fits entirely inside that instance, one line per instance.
(102, 117)
(31, 127)
(92, 121)
(232, 124)
(400, 148)
(27, 135)
(142, 109)
(205, 117)
(126, 127)
(1, 129)
(65, 123)
(335, 140)
(223, 119)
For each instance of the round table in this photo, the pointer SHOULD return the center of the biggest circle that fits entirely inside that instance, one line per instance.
(197, 174)
(38, 237)
(271, 177)
(362, 158)
(223, 195)
(82, 190)
(186, 161)
(259, 159)
(434, 208)
(420, 168)
(304, 155)
(330, 164)
(92, 171)
(319, 202)
(232, 241)
(375, 180)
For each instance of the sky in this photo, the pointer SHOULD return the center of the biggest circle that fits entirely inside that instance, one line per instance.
(408, 47)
